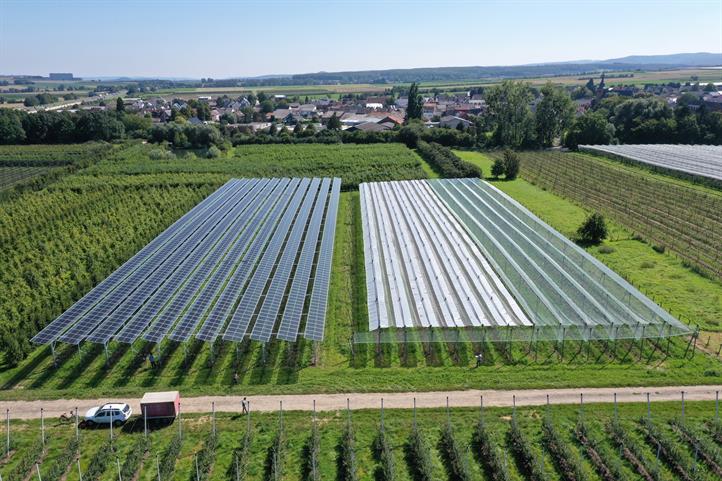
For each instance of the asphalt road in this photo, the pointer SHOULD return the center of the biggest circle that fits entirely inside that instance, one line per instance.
(334, 402)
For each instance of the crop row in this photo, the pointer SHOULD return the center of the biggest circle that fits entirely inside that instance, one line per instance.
(353, 163)
(684, 219)
(80, 155)
(528, 445)
(10, 176)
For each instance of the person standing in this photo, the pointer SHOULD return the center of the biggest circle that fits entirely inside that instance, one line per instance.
(151, 359)
(244, 405)
(479, 359)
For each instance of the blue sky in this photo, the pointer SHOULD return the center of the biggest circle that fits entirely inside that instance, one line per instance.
(224, 38)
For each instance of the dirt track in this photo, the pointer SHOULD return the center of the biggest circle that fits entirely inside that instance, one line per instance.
(332, 402)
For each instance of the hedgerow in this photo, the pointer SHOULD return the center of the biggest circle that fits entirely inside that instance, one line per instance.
(237, 471)
(418, 456)
(633, 452)
(311, 453)
(529, 464)
(494, 464)
(567, 461)
(445, 162)
(274, 457)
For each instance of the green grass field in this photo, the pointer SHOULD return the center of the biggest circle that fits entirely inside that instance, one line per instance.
(398, 426)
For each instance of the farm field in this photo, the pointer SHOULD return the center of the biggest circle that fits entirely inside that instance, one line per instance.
(353, 163)
(332, 365)
(10, 176)
(333, 91)
(548, 443)
(35, 165)
(669, 213)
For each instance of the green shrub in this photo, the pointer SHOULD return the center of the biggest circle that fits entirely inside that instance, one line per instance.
(132, 461)
(593, 230)
(62, 462)
(100, 461)
(607, 465)
(312, 452)
(606, 249)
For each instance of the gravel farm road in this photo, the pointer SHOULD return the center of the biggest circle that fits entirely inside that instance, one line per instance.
(334, 402)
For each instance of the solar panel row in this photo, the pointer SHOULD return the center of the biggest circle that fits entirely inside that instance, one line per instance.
(241, 319)
(316, 319)
(145, 280)
(266, 319)
(239, 251)
(222, 309)
(288, 330)
(152, 301)
(53, 330)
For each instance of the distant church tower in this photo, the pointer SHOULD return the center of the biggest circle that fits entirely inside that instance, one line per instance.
(601, 89)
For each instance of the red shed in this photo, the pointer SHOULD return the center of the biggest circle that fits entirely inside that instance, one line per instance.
(156, 405)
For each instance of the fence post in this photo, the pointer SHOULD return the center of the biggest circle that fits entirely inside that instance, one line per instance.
(513, 409)
(145, 423)
(120, 475)
(581, 405)
(649, 408)
(180, 422)
(42, 429)
(616, 408)
(716, 406)
(382, 414)
(77, 424)
(7, 431)
(213, 410)
(80, 473)
(414, 412)
(682, 406)
(157, 465)
(37, 469)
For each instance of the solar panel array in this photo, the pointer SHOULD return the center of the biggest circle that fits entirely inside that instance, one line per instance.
(251, 258)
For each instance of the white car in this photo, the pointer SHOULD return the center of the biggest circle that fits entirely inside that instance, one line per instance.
(117, 413)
